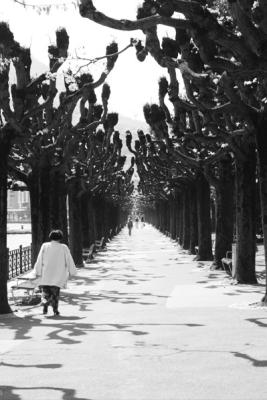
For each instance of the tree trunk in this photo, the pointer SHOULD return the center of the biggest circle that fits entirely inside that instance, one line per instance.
(75, 224)
(99, 212)
(58, 203)
(186, 220)
(106, 212)
(262, 161)
(177, 216)
(172, 218)
(160, 215)
(4, 264)
(181, 220)
(245, 218)
(113, 217)
(92, 217)
(33, 186)
(44, 206)
(167, 218)
(85, 204)
(213, 214)
(224, 212)
(174, 233)
(157, 216)
(204, 220)
(193, 220)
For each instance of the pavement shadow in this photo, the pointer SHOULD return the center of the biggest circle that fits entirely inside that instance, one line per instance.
(258, 321)
(83, 299)
(83, 302)
(60, 330)
(124, 297)
(254, 361)
(218, 279)
(22, 328)
(82, 280)
(111, 274)
(15, 392)
(67, 332)
(45, 366)
(63, 317)
(115, 296)
(189, 325)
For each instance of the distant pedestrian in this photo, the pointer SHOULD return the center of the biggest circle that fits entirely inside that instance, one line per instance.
(54, 266)
(130, 226)
(137, 222)
(142, 221)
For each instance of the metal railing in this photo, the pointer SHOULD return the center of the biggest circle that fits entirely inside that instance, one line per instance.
(19, 261)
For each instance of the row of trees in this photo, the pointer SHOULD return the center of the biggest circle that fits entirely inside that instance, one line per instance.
(57, 159)
(216, 134)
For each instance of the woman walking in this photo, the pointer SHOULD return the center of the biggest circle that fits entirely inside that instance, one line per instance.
(130, 226)
(54, 266)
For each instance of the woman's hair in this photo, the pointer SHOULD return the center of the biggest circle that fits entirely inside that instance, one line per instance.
(56, 235)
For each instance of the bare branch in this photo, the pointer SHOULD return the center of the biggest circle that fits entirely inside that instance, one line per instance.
(87, 10)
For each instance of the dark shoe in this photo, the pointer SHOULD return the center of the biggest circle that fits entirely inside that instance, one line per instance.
(56, 312)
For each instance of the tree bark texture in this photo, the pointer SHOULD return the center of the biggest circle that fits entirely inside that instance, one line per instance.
(33, 186)
(86, 220)
(181, 220)
(172, 218)
(44, 207)
(99, 212)
(177, 216)
(193, 220)
(186, 219)
(4, 264)
(48, 205)
(58, 203)
(204, 220)
(75, 224)
(245, 218)
(262, 162)
(224, 212)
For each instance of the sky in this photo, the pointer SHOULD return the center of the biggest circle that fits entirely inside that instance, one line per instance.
(132, 83)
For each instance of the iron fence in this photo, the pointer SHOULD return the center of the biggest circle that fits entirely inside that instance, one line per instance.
(19, 261)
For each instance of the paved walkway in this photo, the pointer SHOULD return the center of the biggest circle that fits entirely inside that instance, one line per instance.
(142, 322)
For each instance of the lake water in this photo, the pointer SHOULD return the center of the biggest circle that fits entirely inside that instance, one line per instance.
(15, 240)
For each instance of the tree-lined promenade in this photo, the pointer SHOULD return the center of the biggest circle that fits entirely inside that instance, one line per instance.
(55, 159)
(207, 153)
(215, 135)
(141, 314)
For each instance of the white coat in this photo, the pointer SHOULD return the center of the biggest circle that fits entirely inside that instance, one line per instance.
(54, 264)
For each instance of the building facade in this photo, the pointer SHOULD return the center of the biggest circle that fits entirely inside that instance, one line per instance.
(18, 206)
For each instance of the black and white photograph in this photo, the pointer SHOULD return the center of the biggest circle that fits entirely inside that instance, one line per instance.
(133, 199)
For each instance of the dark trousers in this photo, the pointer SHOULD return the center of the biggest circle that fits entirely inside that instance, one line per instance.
(50, 296)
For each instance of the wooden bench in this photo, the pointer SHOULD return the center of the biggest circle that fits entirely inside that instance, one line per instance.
(88, 253)
(29, 286)
(227, 262)
(99, 244)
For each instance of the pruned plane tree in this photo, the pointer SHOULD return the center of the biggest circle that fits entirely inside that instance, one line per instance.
(217, 126)
(42, 147)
